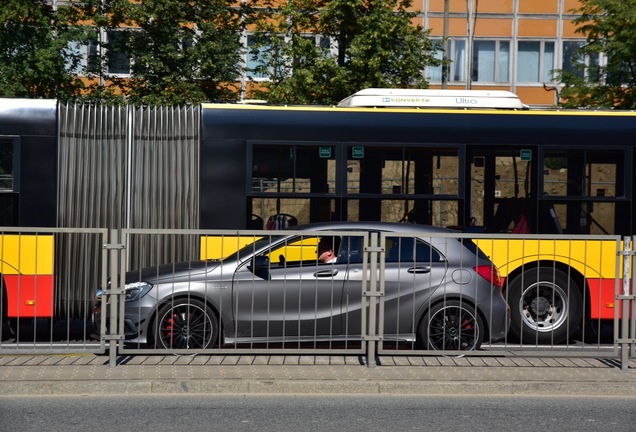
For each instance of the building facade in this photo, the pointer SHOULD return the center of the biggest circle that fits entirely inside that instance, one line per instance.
(514, 45)
(511, 45)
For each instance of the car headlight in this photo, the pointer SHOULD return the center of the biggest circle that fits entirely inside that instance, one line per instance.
(136, 290)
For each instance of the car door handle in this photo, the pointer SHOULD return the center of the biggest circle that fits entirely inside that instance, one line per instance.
(326, 273)
(418, 270)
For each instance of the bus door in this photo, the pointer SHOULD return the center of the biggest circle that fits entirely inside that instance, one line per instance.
(419, 183)
(501, 190)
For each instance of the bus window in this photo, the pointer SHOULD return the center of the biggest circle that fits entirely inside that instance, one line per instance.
(402, 170)
(6, 166)
(265, 208)
(289, 168)
(583, 173)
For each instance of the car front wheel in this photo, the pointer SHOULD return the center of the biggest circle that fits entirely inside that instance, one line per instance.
(186, 324)
(450, 326)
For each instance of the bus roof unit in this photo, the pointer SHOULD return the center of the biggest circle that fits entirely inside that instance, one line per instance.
(426, 98)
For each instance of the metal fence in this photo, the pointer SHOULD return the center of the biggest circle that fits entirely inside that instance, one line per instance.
(43, 310)
(398, 293)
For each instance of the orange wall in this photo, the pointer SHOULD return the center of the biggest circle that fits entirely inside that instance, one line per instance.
(537, 28)
(493, 27)
(569, 30)
(535, 95)
(569, 5)
(539, 6)
(456, 26)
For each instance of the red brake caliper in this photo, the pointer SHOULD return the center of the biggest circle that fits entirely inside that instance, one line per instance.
(170, 326)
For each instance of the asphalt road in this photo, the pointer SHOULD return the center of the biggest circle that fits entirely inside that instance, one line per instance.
(284, 413)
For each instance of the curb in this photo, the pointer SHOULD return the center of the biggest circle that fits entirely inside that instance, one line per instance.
(257, 387)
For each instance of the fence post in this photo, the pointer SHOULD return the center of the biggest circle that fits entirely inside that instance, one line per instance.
(370, 294)
(625, 300)
(113, 292)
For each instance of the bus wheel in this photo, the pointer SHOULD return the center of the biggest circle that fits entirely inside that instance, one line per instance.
(545, 306)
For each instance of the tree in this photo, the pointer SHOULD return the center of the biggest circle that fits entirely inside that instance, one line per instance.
(36, 55)
(175, 51)
(609, 29)
(359, 44)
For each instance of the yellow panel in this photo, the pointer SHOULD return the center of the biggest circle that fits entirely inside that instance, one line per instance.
(537, 27)
(592, 258)
(27, 254)
(218, 247)
(302, 250)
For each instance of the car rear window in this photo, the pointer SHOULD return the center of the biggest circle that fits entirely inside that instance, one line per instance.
(471, 246)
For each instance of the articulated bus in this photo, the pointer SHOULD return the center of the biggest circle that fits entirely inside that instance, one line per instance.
(480, 161)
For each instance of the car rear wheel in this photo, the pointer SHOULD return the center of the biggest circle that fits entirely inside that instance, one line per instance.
(451, 325)
(186, 324)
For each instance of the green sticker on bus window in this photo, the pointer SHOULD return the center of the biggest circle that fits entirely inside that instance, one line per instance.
(526, 154)
(325, 152)
(357, 152)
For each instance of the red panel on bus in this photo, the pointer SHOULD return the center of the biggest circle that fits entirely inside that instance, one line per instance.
(602, 298)
(29, 296)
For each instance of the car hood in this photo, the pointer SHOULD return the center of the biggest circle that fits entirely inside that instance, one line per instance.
(170, 271)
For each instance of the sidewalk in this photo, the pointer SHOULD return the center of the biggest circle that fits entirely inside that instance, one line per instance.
(263, 374)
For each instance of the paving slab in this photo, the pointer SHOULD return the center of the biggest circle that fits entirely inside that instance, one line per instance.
(309, 374)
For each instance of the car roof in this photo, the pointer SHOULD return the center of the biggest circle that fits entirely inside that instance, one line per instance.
(370, 226)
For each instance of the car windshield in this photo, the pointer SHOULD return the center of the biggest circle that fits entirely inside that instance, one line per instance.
(249, 249)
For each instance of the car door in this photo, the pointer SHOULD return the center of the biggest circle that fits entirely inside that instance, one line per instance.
(413, 271)
(289, 295)
(352, 253)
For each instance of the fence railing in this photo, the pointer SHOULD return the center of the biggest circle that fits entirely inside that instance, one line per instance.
(407, 292)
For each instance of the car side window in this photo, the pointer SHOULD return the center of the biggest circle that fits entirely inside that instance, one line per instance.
(351, 250)
(296, 251)
(405, 249)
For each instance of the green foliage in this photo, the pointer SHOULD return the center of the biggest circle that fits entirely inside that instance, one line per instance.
(190, 51)
(365, 43)
(182, 51)
(35, 59)
(170, 51)
(609, 29)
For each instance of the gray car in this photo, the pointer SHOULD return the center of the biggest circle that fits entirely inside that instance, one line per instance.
(439, 291)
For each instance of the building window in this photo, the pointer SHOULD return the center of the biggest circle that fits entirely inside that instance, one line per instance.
(256, 64)
(119, 58)
(457, 67)
(535, 61)
(577, 63)
(491, 61)
(88, 56)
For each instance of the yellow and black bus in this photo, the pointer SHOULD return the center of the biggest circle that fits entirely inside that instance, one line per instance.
(478, 161)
